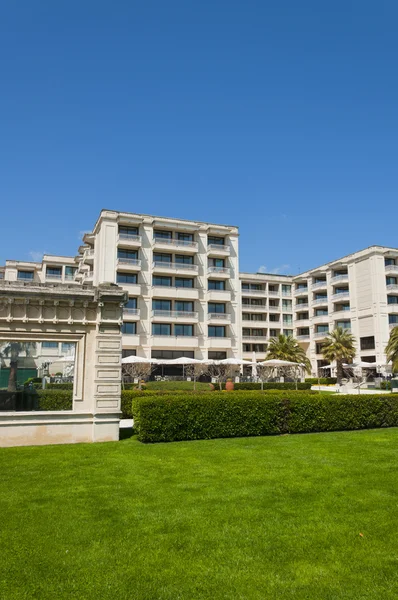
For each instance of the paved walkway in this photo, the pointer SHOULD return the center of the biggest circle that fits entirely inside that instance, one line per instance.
(347, 390)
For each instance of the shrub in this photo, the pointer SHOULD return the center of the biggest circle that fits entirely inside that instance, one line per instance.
(273, 385)
(54, 399)
(321, 380)
(385, 385)
(165, 418)
(59, 386)
(33, 380)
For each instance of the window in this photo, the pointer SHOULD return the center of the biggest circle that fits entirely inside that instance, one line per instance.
(341, 290)
(182, 282)
(132, 303)
(68, 348)
(1, 274)
(162, 257)
(304, 331)
(343, 324)
(215, 241)
(321, 312)
(216, 331)
(126, 277)
(255, 317)
(340, 307)
(258, 347)
(129, 328)
(166, 235)
(122, 253)
(50, 344)
(161, 329)
(321, 296)
(27, 275)
(286, 305)
(286, 290)
(216, 307)
(273, 318)
(367, 343)
(183, 330)
(217, 355)
(288, 332)
(393, 319)
(301, 301)
(322, 329)
(303, 316)
(184, 259)
(273, 288)
(129, 352)
(54, 272)
(70, 272)
(319, 279)
(389, 261)
(392, 299)
(216, 262)
(171, 354)
(161, 305)
(301, 286)
(273, 332)
(125, 230)
(182, 306)
(318, 348)
(273, 304)
(185, 237)
(247, 348)
(215, 284)
(391, 280)
(287, 320)
(164, 281)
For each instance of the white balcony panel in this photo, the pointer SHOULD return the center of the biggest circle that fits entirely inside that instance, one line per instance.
(319, 285)
(131, 314)
(318, 301)
(218, 250)
(219, 272)
(392, 309)
(339, 278)
(134, 289)
(171, 342)
(254, 308)
(219, 318)
(182, 293)
(248, 293)
(341, 296)
(391, 269)
(303, 338)
(219, 343)
(255, 339)
(179, 246)
(321, 319)
(302, 322)
(301, 292)
(273, 294)
(128, 264)
(129, 341)
(300, 307)
(320, 334)
(129, 241)
(392, 287)
(219, 295)
(175, 268)
(170, 316)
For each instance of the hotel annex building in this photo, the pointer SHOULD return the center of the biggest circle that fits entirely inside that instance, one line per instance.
(188, 298)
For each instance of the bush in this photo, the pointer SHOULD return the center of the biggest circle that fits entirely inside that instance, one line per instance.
(385, 385)
(272, 385)
(33, 380)
(54, 399)
(169, 418)
(127, 396)
(321, 380)
(59, 386)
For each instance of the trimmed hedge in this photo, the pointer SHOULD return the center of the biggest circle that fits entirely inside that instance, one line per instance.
(272, 385)
(54, 399)
(217, 415)
(59, 386)
(321, 380)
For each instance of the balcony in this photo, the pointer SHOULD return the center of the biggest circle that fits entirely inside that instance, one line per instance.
(301, 291)
(339, 278)
(391, 268)
(175, 341)
(261, 339)
(131, 314)
(219, 317)
(274, 309)
(54, 276)
(392, 287)
(341, 296)
(250, 292)
(180, 293)
(320, 334)
(392, 325)
(301, 307)
(183, 246)
(128, 264)
(303, 338)
(341, 313)
(173, 267)
(130, 340)
(321, 318)
(130, 240)
(273, 294)
(392, 308)
(218, 250)
(219, 342)
(219, 295)
(302, 322)
(318, 301)
(88, 277)
(134, 289)
(220, 272)
(254, 308)
(168, 316)
(319, 285)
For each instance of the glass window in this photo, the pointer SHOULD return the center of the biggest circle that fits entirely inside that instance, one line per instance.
(389, 261)
(161, 305)
(68, 348)
(127, 230)
(184, 237)
(216, 331)
(340, 290)
(184, 259)
(126, 277)
(129, 352)
(183, 282)
(273, 332)
(28, 275)
(54, 271)
(70, 272)
(184, 330)
(321, 296)
(322, 329)
(344, 324)
(161, 329)
(122, 253)
(215, 284)
(391, 280)
(301, 286)
(288, 332)
(161, 257)
(321, 312)
(217, 355)
(50, 344)
(216, 307)
(159, 280)
(182, 306)
(392, 299)
(393, 319)
(216, 262)
(170, 354)
(286, 305)
(214, 240)
(132, 303)
(159, 234)
(287, 319)
(129, 328)
(367, 343)
(286, 289)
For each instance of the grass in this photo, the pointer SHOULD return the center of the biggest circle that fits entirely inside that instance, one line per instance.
(176, 385)
(242, 519)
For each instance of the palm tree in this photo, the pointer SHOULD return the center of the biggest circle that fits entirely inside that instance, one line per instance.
(12, 350)
(392, 349)
(285, 347)
(339, 346)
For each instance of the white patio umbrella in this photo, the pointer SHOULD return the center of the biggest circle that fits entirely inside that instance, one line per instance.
(360, 365)
(184, 360)
(139, 359)
(234, 361)
(65, 359)
(276, 362)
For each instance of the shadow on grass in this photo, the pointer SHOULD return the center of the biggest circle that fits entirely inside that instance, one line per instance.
(126, 432)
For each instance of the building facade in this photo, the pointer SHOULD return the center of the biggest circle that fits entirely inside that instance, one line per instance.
(186, 296)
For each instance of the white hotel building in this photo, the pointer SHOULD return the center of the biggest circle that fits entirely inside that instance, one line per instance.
(187, 297)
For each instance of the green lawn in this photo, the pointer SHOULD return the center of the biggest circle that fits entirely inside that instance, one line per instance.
(251, 518)
(176, 385)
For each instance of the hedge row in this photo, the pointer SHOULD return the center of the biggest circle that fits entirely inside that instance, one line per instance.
(59, 386)
(321, 380)
(273, 385)
(233, 414)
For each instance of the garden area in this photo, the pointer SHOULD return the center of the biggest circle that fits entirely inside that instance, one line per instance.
(285, 517)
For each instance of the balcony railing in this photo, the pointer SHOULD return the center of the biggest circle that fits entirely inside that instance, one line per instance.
(341, 295)
(175, 266)
(175, 314)
(320, 334)
(250, 292)
(57, 276)
(272, 293)
(134, 262)
(218, 247)
(338, 278)
(319, 285)
(221, 316)
(176, 243)
(220, 270)
(391, 268)
(254, 307)
(131, 237)
(131, 311)
(301, 291)
(274, 309)
(299, 307)
(392, 287)
(392, 325)
(302, 338)
(255, 338)
(320, 300)
(89, 253)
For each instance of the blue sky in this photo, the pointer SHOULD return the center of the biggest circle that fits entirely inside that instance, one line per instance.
(280, 117)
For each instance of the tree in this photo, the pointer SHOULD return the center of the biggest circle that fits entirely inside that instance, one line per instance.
(339, 346)
(138, 370)
(222, 372)
(285, 347)
(196, 370)
(392, 349)
(13, 351)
